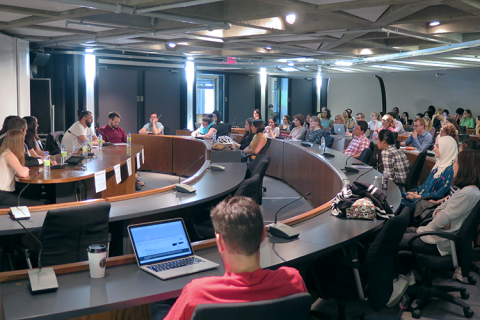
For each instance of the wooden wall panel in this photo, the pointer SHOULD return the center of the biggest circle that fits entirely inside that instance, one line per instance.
(275, 152)
(185, 152)
(158, 151)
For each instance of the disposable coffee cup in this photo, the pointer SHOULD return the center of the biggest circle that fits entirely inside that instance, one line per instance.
(97, 256)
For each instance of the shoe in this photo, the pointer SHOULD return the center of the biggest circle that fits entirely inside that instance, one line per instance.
(409, 277)
(136, 176)
(457, 275)
(399, 288)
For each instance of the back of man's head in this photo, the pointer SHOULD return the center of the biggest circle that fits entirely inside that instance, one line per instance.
(240, 223)
(83, 114)
(17, 123)
(393, 114)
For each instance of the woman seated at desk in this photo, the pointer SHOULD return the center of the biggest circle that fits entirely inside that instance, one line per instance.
(467, 119)
(31, 139)
(429, 126)
(388, 123)
(315, 133)
(207, 130)
(440, 178)
(259, 140)
(299, 131)
(12, 158)
(287, 125)
(448, 129)
(247, 137)
(339, 119)
(272, 131)
(326, 119)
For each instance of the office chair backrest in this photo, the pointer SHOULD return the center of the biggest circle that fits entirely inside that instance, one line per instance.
(53, 144)
(266, 146)
(365, 156)
(462, 129)
(467, 234)
(67, 233)
(329, 140)
(257, 166)
(224, 129)
(380, 260)
(414, 173)
(249, 188)
(296, 306)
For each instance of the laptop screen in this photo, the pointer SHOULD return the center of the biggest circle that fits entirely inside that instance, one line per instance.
(160, 241)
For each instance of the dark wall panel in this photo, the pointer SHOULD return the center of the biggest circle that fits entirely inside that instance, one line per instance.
(162, 95)
(241, 98)
(117, 91)
(301, 96)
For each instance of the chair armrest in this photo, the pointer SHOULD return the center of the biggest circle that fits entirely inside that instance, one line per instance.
(452, 238)
(426, 221)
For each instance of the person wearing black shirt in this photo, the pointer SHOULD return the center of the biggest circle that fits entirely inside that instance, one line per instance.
(247, 137)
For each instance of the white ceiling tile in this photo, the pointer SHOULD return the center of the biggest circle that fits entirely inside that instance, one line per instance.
(61, 24)
(7, 16)
(371, 13)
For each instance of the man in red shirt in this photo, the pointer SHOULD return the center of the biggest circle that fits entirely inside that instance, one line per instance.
(239, 231)
(360, 142)
(112, 132)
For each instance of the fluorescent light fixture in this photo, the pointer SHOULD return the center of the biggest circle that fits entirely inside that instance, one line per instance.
(90, 70)
(289, 69)
(290, 63)
(263, 78)
(210, 39)
(343, 63)
(390, 67)
(429, 64)
(268, 48)
(366, 51)
(319, 82)
(190, 58)
(341, 69)
(466, 59)
(172, 45)
(303, 59)
(434, 23)
(291, 18)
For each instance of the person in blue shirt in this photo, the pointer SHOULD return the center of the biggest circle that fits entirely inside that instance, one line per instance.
(439, 181)
(420, 138)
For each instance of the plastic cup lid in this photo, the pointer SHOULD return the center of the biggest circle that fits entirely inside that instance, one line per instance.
(97, 248)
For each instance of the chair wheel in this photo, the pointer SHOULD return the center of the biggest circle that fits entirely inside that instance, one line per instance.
(467, 312)
(472, 280)
(417, 313)
(464, 295)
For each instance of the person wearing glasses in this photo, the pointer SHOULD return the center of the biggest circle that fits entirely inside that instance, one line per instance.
(359, 117)
(272, 131)
(315, 132)
(420, 138)
(467, 119)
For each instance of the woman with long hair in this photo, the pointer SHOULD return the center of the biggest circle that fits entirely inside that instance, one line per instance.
(5, 125)
(429, 126)
(259, 140)
(467, 119)
(388, 123)
(286, 123)
(326, 119)
(256, 114)
(31, 139)
(216, 117)
(339, 119)
(247, 137)
(272, 131)
(477, 126)
(405, 119)
(349, 121)
(375, 121)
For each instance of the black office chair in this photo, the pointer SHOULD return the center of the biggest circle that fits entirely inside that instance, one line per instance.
(259, 166)
(414, 174)
(329, 140)
(462, 251)
(365, 156)
(295, 306)
(462, 137)
(247, 157)
(332, 277)
(224, 129)
(462, 129)
(53, 144)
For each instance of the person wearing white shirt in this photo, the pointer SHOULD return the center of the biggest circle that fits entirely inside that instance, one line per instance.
(81, 129)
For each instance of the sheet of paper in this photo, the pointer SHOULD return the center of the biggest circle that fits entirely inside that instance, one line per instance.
(138, 160)
(143, 156)
(129, 166)
(118, 175)
(120, 144)
(100, 181)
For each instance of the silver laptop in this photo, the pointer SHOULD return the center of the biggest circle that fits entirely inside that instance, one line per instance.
(163, 249)
(339, 129)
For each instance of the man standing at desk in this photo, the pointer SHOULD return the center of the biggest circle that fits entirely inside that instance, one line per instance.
(112, 132)
(239, 231)
(81, 129)
(420, 138)
(154, 126)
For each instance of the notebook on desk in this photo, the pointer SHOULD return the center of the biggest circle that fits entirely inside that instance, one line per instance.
(162, 248)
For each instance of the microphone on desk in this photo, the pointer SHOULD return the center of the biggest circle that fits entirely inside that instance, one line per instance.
(216, 167)
(185, 188)
(108, 143)
(21, 213)
(240, 124)
(349, 168)
(282, 230)
(42, 280)
(372, 168)
(233, 122)
(328, 154)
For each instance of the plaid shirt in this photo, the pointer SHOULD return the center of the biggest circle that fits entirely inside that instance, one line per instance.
(395, 164)
(357, 145)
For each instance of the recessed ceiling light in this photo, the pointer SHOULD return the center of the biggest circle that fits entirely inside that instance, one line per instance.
(291, 18)
(343, 63)
(290, 63)
(288, 69)
(366, 51)
(268, 48)
(172, 44)
(434, 23)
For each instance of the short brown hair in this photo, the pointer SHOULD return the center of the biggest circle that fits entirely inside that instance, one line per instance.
(112, 115)
(240, 223)
(259, 124)
(14, 141)
(300, 118)
(207, 119)
(421, 121)
(468, 169)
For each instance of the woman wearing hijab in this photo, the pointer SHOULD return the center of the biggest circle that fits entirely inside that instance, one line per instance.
(440, 178)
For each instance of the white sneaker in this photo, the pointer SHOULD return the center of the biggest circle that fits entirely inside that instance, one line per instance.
(410, 278)
(400, 286)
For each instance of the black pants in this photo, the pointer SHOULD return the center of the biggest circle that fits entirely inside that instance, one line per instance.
(10, 199)
(404, 267)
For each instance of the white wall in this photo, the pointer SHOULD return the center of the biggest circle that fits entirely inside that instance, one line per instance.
(409, 91)
(23, 77)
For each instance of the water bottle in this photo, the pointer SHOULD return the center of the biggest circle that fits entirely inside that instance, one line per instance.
(85, 149)
(129, 139)
(90, 143)
(385, 181)
(64, 153)
(214, 138)
(46, 162)
(100, 141)
(376, 182)
(322, 146)
(75, 146)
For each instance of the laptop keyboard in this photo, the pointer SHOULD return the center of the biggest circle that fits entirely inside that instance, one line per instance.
(174, 264)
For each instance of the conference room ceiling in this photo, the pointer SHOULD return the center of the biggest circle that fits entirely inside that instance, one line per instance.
(330, 36)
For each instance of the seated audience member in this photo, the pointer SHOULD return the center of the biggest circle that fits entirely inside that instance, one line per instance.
(349, 122)
(259, 140)
(112, 132)
(326, 119)
(315, 132)
(438, 119)
(307, 121)
(477, 126)
(469, 144)
(395, 163)
(299, 131)
(359, 141)
(397, 113)
(359, 117)
(4, 130)
(405, 119)
(446, 114)
(448, 129)
(256, 114)
(449, 216)
(216, 117)
(247, 137)
(286, 124)
(239, 231)
(429, 126)
(440, 178)
(82, 129)
(375, 121)
(12, 163)
(420, 138)
(272, 131)
(388, 123)
(207, 130)
(338, 120)
(459, 115)
(271, 112)
(154, 126)
(454, 122)
(419, 116)
(467, 120)
(32, 140)
(397, 124)
(426, 114)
